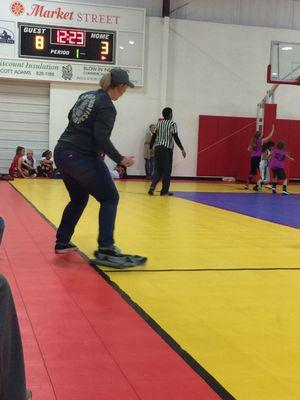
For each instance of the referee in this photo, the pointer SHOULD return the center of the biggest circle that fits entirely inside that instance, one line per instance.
(163, 139)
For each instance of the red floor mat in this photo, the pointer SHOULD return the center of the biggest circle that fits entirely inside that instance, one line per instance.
(81, 339)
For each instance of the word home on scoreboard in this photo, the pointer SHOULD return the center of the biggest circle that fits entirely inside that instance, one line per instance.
(71, 44)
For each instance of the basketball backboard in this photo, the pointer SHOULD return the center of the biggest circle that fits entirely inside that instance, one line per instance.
(284, 65)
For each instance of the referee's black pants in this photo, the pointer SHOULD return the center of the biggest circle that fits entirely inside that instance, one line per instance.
(163, 166)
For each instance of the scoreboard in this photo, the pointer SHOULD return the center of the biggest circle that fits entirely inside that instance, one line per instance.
(53, 42)
(66, 41)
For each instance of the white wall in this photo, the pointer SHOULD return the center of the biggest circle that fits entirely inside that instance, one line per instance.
(216, 69)
(273, 13)
(220, 69)
(136, 109)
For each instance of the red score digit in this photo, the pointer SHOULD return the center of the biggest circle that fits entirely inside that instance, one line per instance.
(72, 37)
(80, 38)
(61, 36)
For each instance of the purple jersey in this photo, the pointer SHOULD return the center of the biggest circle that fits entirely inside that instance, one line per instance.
(277, 159)
(257, 148)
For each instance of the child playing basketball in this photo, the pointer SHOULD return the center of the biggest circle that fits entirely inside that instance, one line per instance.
(264, 164)
(256, 150)
(277, 166)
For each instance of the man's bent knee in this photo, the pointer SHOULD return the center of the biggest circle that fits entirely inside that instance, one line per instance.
(112, 197)
(80, 201)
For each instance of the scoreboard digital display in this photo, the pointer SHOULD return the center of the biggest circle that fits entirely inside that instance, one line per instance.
(49, 42)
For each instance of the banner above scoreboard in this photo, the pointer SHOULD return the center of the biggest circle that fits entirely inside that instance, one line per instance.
(85, 34)
(73, 14)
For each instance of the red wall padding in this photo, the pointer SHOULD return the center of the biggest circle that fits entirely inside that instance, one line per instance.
(269, 117)
(223, 142)
(228, 152)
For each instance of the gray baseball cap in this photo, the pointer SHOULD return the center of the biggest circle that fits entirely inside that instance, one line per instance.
(119, 76)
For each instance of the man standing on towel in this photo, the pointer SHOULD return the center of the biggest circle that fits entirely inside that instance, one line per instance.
(79, 158)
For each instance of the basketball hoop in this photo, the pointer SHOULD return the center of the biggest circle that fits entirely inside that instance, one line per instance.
(284, 68)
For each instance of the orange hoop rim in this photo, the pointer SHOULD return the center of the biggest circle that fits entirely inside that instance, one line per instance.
(278, 82)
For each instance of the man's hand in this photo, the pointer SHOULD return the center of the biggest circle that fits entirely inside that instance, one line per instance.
(151, 152)
(183, 153)
(127, 161)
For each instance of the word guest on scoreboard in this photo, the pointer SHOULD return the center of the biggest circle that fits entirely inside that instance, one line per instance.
(40, 41)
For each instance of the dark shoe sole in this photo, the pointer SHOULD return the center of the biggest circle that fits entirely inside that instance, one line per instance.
(64, 251)
(119, 262)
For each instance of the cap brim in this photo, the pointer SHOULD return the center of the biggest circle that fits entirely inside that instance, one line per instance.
(130, 84)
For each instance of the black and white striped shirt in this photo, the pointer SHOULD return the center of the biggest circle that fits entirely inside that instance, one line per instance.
(165, 134)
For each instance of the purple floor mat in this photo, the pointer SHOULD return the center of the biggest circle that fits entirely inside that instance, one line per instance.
(284, 210)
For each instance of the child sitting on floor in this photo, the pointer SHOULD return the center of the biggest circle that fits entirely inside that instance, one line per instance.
(121, 170)
(18, 168)
(46, 168)
(30, 163)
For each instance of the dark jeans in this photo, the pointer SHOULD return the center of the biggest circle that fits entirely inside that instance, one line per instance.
(12, 371)
(163, 159)
(85, 175)
(149, 166)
